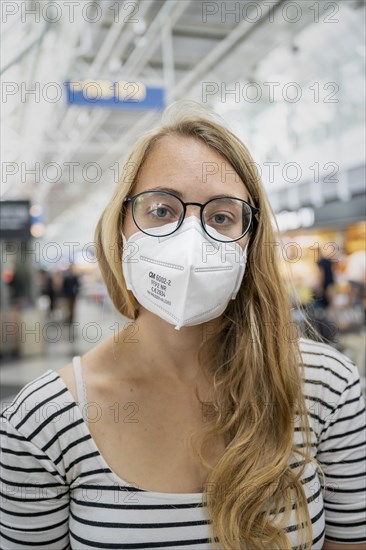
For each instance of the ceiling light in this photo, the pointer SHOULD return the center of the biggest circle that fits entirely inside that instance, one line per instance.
(37, 230)
(35, 210)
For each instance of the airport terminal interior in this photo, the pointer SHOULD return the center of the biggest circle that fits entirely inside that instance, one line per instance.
(82, 81)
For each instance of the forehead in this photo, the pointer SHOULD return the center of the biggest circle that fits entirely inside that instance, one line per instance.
(190, 166)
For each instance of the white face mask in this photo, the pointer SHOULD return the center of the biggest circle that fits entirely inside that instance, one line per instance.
(186, 278)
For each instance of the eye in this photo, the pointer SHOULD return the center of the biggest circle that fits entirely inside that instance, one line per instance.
(220, 218)
(161, 211)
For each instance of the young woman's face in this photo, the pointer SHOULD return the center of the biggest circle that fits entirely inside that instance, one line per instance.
(192, 170)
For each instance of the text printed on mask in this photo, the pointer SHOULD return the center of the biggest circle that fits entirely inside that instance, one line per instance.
(158, 287)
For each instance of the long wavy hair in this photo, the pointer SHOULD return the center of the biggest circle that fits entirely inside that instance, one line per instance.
(252, 357)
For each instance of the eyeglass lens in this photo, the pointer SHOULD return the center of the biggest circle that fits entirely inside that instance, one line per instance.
(160, 214)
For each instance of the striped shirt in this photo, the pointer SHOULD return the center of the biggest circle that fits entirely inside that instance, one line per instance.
(58, 492)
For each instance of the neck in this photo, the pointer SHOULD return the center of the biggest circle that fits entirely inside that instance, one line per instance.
(166, 353)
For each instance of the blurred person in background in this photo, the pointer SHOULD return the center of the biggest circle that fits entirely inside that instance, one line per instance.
(325, 279)
(48, 289)
(58, 282)
(355, 273)
(70, 291)
(318, 309)
(16, 284)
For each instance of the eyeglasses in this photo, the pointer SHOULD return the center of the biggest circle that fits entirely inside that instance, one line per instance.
(160, 213)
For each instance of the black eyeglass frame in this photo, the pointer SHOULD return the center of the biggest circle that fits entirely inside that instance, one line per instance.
(253, 209)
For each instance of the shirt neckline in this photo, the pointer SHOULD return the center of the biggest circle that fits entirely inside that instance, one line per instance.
(120, 481)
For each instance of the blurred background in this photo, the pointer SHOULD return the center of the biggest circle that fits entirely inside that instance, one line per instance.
(82, 80)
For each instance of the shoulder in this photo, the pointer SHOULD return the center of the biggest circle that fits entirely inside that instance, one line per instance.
(39, 390)
(328, 362)
(41, 410)
(330, 379)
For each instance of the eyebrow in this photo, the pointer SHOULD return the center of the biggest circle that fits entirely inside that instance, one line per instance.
(180, 195)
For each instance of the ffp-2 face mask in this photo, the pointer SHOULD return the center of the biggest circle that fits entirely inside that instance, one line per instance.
(185, 278)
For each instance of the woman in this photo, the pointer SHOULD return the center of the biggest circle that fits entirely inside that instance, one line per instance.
(201, 431)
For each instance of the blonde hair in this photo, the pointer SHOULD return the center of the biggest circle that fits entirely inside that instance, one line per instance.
(256, 368)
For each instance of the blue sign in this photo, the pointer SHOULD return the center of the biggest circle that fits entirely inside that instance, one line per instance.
(122, 94)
